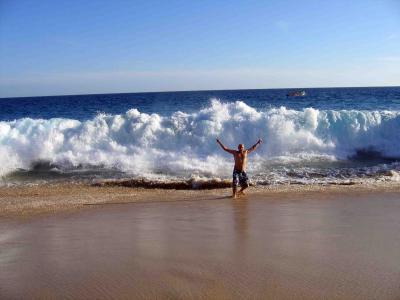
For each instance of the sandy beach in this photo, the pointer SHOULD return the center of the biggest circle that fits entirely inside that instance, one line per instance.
(24, 202)
(287, 242)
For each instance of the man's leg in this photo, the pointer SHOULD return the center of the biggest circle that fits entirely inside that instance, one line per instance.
(244, 182)
(241, 192)
(235, 182)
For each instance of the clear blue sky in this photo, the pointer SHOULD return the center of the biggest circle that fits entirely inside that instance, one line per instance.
(79, 47)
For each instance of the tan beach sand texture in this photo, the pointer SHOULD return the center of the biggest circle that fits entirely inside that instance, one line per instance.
(278, 243)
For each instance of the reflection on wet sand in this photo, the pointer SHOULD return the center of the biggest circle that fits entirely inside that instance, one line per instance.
(297, 247)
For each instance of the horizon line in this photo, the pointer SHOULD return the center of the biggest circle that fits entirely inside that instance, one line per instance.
(201, 90)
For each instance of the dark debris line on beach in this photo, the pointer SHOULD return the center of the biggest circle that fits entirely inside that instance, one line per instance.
(169, 185)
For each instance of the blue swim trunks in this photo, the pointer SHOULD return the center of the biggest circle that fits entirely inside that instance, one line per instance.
(240, 177)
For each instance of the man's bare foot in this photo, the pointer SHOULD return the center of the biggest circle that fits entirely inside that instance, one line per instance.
(241, 193)
(234, 196)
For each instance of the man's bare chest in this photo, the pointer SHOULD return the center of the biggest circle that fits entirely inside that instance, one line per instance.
(240, 156)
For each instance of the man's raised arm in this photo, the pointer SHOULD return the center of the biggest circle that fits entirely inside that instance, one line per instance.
(254, 147)
(226, 149)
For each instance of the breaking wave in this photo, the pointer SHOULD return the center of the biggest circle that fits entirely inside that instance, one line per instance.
(183, 145)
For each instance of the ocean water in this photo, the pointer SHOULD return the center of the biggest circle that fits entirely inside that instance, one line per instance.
(332, 135)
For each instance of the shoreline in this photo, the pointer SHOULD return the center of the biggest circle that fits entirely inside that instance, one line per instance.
(25, 202)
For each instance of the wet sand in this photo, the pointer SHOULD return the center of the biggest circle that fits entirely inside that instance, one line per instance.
(331, 243)
(45, 199)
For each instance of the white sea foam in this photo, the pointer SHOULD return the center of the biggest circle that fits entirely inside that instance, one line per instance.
(184, 144)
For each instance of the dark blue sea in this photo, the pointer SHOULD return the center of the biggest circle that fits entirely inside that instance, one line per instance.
(330, 135)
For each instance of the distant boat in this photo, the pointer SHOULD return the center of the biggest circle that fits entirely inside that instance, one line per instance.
(296, 94)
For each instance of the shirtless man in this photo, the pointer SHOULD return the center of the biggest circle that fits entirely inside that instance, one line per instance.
(239, 171)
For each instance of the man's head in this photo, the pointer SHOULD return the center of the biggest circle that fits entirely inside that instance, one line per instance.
(241, 147)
